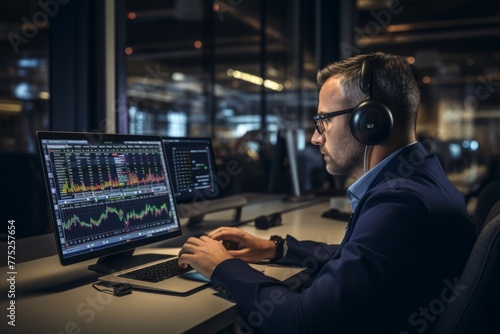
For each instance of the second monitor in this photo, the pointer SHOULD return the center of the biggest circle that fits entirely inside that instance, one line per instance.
(196, 183)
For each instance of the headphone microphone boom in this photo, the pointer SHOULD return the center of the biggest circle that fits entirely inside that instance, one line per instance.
(371, 121)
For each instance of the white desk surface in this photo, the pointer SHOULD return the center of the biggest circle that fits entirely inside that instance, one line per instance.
(50, 298)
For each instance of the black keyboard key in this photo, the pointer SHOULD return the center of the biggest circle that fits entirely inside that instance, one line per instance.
(157, 272)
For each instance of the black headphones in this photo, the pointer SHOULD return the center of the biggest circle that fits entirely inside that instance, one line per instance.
(265, 222)
(371, 121)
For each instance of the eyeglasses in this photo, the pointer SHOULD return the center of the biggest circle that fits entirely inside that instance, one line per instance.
(318, 119)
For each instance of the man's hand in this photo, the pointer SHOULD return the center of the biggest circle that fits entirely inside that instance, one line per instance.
(203, 254)
(244, 245)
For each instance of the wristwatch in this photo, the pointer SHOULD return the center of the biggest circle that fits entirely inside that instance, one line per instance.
(278, 244)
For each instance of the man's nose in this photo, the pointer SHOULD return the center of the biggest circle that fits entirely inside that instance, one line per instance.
(316, 138)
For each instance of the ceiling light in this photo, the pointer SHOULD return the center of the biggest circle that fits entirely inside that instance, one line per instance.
(254, 79)
(10, 107)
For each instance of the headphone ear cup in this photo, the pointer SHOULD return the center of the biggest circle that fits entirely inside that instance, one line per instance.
(371, 122)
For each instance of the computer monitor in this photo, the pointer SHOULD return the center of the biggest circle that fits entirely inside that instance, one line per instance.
(109, 194)
(193, 167)
(196, 182)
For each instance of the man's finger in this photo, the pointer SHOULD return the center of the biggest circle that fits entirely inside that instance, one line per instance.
(183, 260)
(223, 231)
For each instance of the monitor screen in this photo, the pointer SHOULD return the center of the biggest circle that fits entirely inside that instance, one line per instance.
(108, 193)
(192, 164)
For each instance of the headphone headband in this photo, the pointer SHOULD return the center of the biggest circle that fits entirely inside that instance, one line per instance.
(366, 76)
(371, 121)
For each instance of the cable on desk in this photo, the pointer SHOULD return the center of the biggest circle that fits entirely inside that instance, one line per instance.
(115, 289)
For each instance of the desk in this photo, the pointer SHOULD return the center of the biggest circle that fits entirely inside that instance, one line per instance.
(55, 299)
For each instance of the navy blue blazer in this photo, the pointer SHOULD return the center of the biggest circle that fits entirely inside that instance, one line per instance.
(394, 272)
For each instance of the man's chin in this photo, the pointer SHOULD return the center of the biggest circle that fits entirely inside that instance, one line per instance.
(331, 169)
(335, 170)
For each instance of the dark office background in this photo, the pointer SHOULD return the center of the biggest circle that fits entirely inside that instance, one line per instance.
(238, 71)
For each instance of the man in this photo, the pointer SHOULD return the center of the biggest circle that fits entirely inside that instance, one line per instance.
(407, 240)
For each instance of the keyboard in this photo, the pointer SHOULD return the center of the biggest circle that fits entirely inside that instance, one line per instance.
(157, 272)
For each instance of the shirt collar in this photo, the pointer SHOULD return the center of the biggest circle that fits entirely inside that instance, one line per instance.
(358, 189)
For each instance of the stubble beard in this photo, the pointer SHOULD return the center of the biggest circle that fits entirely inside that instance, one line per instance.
(346, 157)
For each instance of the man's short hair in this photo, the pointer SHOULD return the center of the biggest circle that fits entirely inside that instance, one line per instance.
(393, 84)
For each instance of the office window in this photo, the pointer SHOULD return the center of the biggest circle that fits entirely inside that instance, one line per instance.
(233, 70)
(214, 63)
(166, 70)
(24, 89)
(455, 52)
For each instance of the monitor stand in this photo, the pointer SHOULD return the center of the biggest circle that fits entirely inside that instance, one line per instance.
(196, 211)
(297, 196)
(124, 260)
